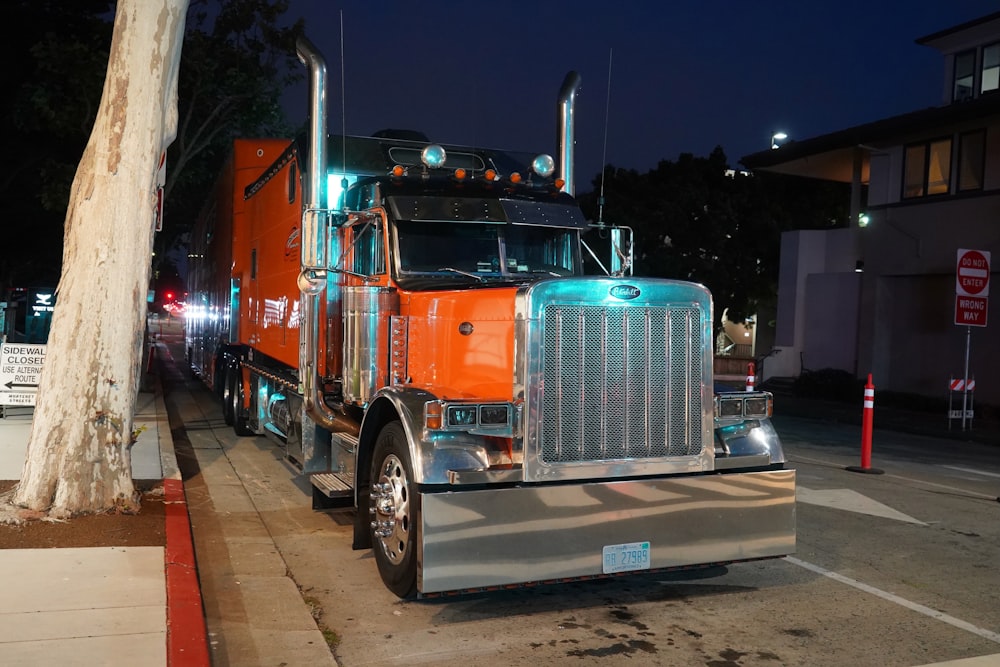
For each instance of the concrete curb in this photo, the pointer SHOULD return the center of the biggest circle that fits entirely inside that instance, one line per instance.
(187, 635)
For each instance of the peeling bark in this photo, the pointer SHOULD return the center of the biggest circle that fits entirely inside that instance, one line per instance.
(79, 451)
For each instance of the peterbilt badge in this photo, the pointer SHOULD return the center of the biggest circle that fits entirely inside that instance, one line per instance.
(624, 292)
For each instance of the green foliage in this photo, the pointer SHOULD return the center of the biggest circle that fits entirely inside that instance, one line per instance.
(696, 219)
(237, 58)
(52, 77)
(236, 61)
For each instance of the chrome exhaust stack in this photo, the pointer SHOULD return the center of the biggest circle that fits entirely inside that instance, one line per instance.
(565, 130)
(315, 219)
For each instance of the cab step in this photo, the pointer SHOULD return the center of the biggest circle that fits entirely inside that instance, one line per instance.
(331, 490)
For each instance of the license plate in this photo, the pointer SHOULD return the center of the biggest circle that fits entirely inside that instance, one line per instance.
(625, 557)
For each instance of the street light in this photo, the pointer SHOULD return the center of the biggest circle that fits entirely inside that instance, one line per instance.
(776, 137)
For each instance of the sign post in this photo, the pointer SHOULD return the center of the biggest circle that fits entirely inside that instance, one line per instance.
(972, 289)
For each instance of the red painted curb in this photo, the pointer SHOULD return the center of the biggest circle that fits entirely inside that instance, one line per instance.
(187, 637)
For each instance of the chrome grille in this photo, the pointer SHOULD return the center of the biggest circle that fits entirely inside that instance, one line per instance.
(620, 382)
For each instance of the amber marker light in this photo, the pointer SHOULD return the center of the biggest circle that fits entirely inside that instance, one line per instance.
(560, 183)
(398, 170)
(490, 175)
(515, 177)
(433, 415)
(460, 174)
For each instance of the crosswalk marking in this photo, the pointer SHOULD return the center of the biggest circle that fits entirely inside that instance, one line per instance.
(851, 501)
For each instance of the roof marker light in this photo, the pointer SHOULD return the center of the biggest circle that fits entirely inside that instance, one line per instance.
(460, 174)
(515, 177)
(398, 171)
(490, 175)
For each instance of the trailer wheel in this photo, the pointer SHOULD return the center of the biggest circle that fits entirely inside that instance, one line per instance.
(394, 511)
(227, 395)
(240, 425)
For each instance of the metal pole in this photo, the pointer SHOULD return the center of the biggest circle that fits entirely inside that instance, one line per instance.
(965, 394)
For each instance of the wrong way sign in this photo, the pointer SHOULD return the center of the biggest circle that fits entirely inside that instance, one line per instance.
(972, 273)
(970, 311)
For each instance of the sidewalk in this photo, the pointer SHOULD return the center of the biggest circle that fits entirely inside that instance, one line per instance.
(105, 606)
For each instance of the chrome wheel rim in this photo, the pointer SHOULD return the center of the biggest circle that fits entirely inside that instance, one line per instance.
(391, 508)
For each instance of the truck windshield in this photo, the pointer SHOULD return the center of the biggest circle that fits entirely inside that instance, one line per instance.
(484, 252)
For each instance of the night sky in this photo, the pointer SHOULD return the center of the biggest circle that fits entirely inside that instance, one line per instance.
(685, 76)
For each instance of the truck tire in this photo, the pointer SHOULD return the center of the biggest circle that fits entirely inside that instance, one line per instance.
(395, 511)
(226, 394)
(240, 425)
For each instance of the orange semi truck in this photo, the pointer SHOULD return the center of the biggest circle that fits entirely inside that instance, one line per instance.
(411, 322)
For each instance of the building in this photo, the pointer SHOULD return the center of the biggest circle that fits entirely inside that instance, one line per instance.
(880, 296)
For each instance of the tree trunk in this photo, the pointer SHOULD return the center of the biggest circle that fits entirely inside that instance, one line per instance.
(78, 458)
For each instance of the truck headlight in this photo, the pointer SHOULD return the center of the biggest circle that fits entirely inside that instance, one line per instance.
(493, 417)
(752, 405)
(757, 406)
(729, 407)
(461, 415)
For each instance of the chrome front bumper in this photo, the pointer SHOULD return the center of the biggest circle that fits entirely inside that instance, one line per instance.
(519, 535)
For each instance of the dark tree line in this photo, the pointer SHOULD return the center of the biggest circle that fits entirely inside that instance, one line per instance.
(697, 219)
(238, 57)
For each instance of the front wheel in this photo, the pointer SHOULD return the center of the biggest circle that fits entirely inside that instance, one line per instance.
(394, 511)
(240, 423)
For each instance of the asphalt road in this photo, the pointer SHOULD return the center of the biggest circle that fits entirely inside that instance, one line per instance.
(892, 569)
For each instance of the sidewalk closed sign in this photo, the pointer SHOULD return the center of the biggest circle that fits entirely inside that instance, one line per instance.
(20, 366)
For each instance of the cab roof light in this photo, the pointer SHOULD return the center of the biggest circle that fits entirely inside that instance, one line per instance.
(460, 174)
(490, 175)
(433, 156)
(515, 177)
(543, 165)
(399, 171)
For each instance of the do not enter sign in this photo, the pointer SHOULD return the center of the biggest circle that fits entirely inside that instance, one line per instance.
(972, 274)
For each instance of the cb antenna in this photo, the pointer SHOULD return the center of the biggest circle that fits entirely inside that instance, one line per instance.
(343, 111)
(604, 154)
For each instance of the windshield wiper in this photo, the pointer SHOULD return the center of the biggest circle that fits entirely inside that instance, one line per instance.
(464, 273)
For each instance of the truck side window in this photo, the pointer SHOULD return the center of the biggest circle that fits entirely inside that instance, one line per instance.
(369, 249)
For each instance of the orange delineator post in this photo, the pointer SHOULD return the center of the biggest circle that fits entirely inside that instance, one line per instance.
(867, 417)
(751, 376)
(866, 424)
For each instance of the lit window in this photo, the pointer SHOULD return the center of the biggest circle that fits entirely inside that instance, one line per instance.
(971, 153)
(927, 169)
(991, 68)
(965, 71)
(913, 171)
(939, 167)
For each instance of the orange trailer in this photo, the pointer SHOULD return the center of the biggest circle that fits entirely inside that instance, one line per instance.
(415, 328)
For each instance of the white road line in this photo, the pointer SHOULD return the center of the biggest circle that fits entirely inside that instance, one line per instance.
(919, 608)
(807, 459)
(972, 470)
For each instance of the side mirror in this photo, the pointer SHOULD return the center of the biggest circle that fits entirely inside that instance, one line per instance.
(621, 251)
(617, 259)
